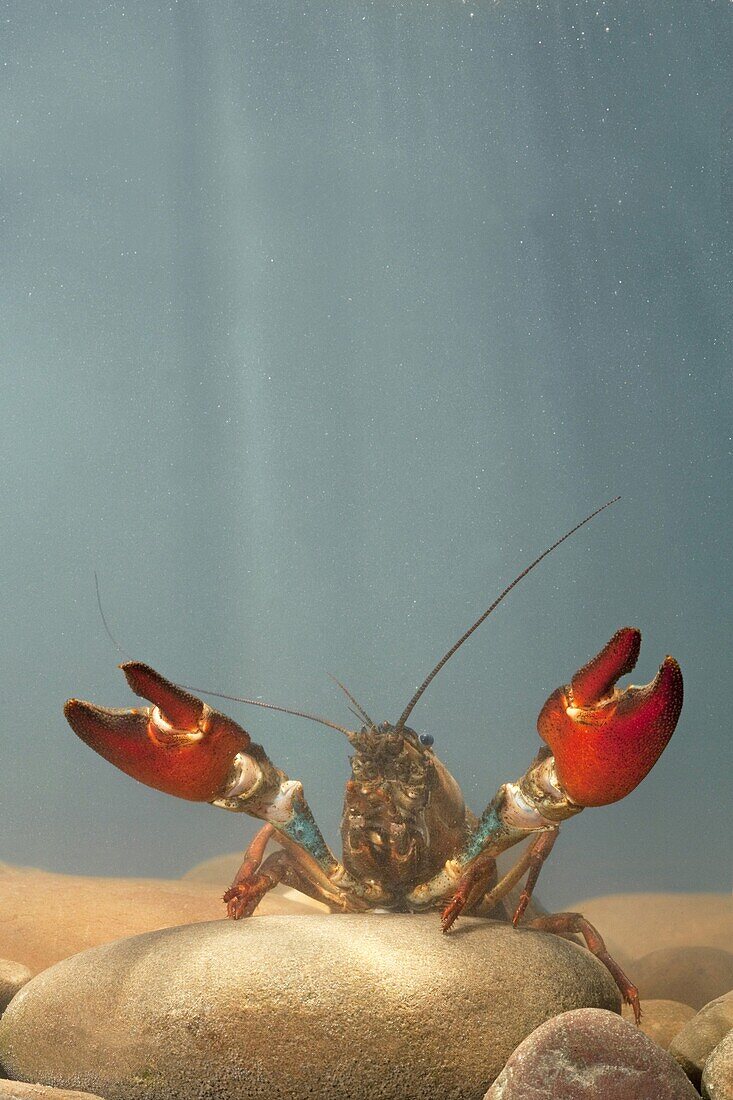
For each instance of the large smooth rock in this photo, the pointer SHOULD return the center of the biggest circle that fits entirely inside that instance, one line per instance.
(383, 1006)
(46, 917)
(692, 1045)
(717, 1077)
(635, 924)
(694, 975)
(590, 1055)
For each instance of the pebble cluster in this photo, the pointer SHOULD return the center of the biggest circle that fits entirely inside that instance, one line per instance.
(185, 1004)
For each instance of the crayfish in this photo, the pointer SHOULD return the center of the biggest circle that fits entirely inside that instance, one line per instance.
(409, 841)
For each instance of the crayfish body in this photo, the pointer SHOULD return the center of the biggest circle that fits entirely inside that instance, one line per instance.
(409, 841)
(404, 814)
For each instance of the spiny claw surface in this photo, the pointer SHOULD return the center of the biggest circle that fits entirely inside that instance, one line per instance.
(606, 740)
(179, 745)
(180, 709)
(595, 680)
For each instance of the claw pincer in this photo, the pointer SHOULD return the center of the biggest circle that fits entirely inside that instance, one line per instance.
(606, 740)
(184, 747)
(179, 745)
(602, 742)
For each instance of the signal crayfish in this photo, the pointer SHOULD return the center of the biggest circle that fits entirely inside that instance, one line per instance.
(409, 841)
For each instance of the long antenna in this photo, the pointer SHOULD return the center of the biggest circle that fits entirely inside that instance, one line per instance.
(108, 632)
(270, 706)
(408, 709)
(218, 694)
(362, 714)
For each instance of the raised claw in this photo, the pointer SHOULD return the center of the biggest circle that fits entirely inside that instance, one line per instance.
(179, 708)
(179, 745)
(604, 740)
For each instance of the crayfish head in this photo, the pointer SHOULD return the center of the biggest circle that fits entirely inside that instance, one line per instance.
(178, 745)
(389, 767)
(384, 828)
(605, 740)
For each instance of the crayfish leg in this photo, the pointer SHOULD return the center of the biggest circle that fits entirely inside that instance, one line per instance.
(257, 876)
(569, 924)
(250, 885)
(471, 890)
(537, 852)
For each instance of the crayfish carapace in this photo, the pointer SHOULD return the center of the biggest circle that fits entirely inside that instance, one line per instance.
(409, 841)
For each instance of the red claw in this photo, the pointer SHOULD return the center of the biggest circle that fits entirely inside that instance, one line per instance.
(604, 740)
(178, 745)
(180, 709)
(596, 679)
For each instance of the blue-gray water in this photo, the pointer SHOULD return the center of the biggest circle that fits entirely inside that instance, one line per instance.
(320, 321)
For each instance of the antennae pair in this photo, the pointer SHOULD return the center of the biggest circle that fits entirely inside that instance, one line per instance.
(428, 679)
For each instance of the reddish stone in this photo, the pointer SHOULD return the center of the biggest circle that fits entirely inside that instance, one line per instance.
(588, 1054)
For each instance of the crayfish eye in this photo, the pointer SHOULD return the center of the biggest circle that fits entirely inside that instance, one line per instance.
(427, 740)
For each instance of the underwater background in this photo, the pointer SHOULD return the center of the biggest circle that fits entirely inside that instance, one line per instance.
(319, 322)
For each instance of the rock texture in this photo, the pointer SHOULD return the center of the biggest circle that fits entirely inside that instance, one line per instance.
(590, 1055)
(372, 1005)
(693, 975)
(19, 1090)
(46, 917)
(717, 1077)
(635, 924)
(661, 1020)
(694, 1042)
(13, 976)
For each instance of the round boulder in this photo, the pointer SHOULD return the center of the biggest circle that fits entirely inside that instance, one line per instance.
(693, 975)
(635, 924)
(587, 1054)
(694, 1042)
(13, 976)
(717, 1077)
(373, 1005)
